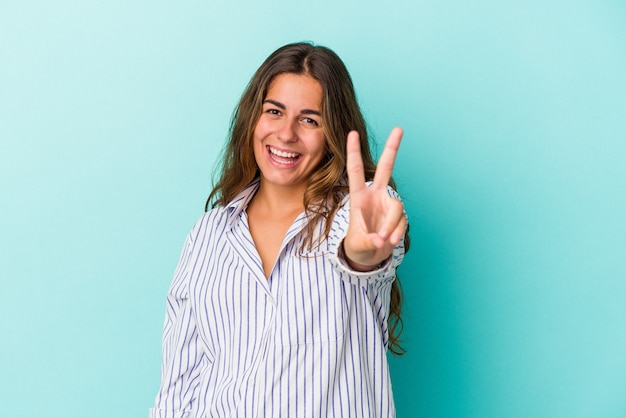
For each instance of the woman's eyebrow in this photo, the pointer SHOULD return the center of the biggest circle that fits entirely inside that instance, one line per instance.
(275, 103)
(283, 107)
(310, 112)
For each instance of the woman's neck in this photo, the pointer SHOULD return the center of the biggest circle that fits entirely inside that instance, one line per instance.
(278, 201)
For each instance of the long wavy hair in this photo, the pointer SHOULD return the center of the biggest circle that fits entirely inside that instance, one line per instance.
(328, 184)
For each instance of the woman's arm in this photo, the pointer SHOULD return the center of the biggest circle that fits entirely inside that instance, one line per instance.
(182, 353)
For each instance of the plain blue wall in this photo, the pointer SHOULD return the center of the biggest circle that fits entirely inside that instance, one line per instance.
(112, 114)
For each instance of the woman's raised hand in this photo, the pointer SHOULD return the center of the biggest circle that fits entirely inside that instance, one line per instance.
(377, 220)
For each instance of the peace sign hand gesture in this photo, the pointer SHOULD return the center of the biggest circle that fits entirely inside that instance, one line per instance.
(377, 220)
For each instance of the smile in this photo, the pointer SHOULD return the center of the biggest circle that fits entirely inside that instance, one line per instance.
(283, 157)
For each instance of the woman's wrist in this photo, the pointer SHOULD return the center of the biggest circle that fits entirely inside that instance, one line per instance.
(362, 268)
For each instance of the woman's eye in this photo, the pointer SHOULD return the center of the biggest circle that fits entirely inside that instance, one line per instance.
(310, 121)
(273, 111)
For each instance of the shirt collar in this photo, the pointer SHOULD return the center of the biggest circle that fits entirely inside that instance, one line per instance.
(240, 202)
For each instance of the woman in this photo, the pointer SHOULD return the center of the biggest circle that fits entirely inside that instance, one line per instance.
(282, 297)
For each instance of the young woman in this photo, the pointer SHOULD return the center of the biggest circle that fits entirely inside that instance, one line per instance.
(285, 298)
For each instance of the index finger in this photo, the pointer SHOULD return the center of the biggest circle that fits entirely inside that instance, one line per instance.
(354, 163)
(388, 158)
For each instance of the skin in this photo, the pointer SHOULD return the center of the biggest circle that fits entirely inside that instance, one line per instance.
(377, 220)
(291, 123)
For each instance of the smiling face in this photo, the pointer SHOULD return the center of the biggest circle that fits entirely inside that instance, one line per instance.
(289, 141)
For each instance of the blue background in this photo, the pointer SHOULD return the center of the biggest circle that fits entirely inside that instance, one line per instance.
(512, 169)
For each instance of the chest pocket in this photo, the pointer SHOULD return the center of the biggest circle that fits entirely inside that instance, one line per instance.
(312, 305)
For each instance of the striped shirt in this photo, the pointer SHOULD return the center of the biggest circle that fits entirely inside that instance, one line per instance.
(310, 341)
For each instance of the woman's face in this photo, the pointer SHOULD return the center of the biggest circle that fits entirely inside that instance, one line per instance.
(289, 141)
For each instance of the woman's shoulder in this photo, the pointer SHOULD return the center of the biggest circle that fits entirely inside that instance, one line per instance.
(210, 222)
(222, 216)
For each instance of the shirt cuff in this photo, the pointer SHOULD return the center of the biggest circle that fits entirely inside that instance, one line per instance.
(386, 271)
(161, 413)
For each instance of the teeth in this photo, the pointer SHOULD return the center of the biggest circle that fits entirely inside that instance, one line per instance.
(283, 154)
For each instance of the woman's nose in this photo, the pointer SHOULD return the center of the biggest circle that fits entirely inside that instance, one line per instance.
(286, 132)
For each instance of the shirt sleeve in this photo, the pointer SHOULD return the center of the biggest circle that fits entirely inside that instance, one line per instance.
(385, 272)
(182, 355)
